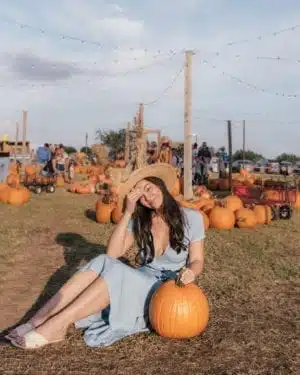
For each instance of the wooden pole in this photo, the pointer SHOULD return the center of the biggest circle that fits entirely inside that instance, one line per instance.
(188, 176)
(229, 133)
(127, 141)
(244, 142)
(17, 138)
(24, 125)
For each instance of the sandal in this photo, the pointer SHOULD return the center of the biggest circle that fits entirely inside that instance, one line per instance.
(34, 340)
(20, 331)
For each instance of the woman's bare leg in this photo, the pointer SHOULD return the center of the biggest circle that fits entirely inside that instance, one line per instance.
(92, 300)
(69, 291)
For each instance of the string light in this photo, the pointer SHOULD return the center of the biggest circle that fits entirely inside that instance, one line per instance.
(83, 41)
(251, 85)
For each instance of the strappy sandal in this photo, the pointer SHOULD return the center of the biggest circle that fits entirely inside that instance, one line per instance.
(20, 331)
(34, 340)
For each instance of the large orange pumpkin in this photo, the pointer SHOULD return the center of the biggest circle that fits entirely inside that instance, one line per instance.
(18, 196)
(263, 214)
(103, 212)
(178, 312)
(221, 218)
(233, 203)
(245, 218)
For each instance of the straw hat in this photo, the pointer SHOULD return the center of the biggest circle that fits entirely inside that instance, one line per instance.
(162, 170)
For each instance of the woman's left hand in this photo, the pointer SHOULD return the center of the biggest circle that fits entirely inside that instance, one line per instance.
(187, 276)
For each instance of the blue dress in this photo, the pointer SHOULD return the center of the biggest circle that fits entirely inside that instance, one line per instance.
(130, 288)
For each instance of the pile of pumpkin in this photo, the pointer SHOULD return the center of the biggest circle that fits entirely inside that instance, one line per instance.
(243, 178)
(97, 177)
(11, 192)
(228, 212)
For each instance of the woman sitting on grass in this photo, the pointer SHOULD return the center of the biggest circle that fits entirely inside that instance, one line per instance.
(168, 238)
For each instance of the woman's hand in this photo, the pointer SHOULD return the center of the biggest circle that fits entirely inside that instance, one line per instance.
(187, 276)
(131, 200)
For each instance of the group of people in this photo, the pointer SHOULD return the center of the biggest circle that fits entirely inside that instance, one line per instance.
(54, 160)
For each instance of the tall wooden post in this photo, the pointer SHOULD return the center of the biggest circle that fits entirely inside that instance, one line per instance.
(127, 141)
(140, 139)
(244, 142)
(229, 131)
(188, 175)
(17, 137)
(24, 125)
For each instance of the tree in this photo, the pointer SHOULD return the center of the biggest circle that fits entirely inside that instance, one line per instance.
(70, 149)
(113, 139)
(292, 158)
(87, 150)
(249, 155)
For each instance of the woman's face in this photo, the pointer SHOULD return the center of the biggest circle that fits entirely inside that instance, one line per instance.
(152, 196)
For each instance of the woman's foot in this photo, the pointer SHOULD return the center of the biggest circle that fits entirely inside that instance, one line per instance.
(47, 333)
(20, 330)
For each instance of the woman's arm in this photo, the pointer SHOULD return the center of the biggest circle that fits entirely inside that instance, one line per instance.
(196, 257)
(121, 239)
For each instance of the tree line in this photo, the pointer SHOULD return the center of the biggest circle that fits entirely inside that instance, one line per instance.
(115, 141)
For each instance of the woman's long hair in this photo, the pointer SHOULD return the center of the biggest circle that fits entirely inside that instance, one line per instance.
(142, 221)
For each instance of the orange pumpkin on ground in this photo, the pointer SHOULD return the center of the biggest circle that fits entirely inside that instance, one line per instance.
(18, 196)
(263, 214)
(245, 218)
(178, 312)
(221, 218)
(232, 202)
(103, 212)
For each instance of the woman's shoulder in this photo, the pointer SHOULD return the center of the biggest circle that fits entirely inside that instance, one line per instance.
(191, 214)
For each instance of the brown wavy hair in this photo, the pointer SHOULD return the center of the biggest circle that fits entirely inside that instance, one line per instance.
(142, 222)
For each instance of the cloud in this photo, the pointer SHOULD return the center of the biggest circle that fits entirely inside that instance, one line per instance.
(31, 67)
(121, 56)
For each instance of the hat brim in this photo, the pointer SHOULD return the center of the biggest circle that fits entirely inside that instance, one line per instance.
(164, 171)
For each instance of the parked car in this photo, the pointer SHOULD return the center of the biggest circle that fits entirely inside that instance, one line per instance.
(261, 166)
(286, 168)
(296, 169)
(240, 164)
(273, 167)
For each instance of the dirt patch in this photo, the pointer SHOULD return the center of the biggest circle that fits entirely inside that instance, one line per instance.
(251, 278)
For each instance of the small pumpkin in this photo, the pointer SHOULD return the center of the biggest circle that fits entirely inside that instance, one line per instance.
(178, 312)
(245, 218)
(221, 218)
(103, 212)
(232, 202)
(263, 214)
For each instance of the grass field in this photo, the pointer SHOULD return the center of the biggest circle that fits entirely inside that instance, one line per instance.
(251, 278)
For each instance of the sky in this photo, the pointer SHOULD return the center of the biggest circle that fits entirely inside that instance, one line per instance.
(78, 66)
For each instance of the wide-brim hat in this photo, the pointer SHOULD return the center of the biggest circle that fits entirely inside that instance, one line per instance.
(164, 171)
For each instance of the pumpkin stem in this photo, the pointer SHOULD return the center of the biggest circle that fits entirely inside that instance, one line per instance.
(178, 282)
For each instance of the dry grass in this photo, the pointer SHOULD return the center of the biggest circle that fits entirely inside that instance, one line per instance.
(251, 278)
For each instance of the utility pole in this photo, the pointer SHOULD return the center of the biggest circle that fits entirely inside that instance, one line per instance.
(244, 142)
(17, 138)
(24, 123)
(188, 176)
(86, 142)
(229, 133)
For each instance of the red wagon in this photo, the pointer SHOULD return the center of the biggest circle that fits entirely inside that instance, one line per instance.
(281, 204)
